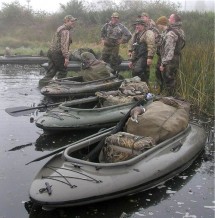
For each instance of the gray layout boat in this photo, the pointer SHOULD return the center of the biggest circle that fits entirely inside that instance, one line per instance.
(88, 113)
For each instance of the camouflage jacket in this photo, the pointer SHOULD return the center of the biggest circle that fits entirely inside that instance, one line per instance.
(61, 41)
(147, 36)
(172, 42)
(114, 32)
(152, 26)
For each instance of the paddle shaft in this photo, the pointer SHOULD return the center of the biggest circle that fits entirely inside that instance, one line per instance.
(16, 110)
(38, 107)
(64, 147)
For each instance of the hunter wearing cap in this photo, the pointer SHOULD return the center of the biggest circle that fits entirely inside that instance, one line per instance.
(170, 51)
(141, 50)
(113, 34)
(151, 26)
(150, 23)
(58, 52)
(162, 25)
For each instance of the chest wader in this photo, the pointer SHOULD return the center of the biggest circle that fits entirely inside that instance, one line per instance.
(171, 69)
(139, 59)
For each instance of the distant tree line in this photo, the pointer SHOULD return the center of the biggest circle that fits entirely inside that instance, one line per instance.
(21, 26)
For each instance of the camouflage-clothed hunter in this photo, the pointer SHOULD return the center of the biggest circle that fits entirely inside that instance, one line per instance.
(57, 53)
(151, 26)
(172, 43)
(112, 33)
(93, 69)
(145, 38)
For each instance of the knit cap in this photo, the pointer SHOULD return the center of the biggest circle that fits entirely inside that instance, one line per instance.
(162, 21)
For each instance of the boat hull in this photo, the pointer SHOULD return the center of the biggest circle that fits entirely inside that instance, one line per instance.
(23, 59)
(77, 182)
(66, 118)
(80, 89)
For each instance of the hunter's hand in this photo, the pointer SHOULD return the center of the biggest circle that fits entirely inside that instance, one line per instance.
(66, 62)
(161, 68)
(130, 64)
(149, 61)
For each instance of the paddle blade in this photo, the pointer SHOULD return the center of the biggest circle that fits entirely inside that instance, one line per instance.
(20, 111)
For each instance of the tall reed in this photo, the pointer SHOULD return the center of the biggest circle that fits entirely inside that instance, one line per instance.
(196, 76)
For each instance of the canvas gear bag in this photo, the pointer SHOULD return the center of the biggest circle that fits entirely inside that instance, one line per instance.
(160, 121)
(123, 146)
(176, 103)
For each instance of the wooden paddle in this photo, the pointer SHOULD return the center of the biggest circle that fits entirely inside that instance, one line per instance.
(74, 143)
(23, 110)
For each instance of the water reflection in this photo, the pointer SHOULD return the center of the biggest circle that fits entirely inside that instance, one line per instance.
(50, 142)
(54, 141)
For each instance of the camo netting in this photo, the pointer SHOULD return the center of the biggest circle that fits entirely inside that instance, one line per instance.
(131, 90)
(123, 146)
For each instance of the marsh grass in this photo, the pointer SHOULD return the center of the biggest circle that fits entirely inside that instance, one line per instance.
(196, 77)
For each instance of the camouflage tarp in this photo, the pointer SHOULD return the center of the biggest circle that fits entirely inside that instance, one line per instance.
(130, 90)
(123, 146)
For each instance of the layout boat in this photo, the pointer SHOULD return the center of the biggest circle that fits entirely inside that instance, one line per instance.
(81, 175)
(23, 59)
(90, 114)
(76, 87)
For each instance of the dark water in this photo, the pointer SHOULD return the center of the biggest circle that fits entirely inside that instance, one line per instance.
(190, 194)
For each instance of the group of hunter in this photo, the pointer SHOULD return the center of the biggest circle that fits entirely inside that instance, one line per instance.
(164, 37)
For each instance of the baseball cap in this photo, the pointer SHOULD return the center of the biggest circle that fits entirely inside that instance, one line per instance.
(70, 17)
(115, 14)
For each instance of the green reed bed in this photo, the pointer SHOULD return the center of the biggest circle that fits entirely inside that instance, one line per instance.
(196, 77)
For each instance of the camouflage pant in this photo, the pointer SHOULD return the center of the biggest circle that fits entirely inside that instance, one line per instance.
(141, 69)
(169, 75)
(111, 56)
(56, 65)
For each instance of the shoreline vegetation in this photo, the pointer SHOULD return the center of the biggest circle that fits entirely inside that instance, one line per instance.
(27, 32)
